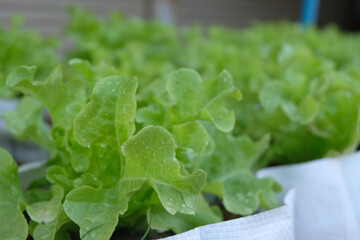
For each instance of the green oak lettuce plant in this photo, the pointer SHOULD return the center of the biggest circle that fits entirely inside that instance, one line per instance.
(114, 164)
(298, 83)
(22, 46)
(131, 152)
(147, 50)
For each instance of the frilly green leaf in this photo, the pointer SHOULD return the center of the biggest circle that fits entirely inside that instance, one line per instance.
(243, 193)
(162, 221)
(150, 155)
(52, 92)
(109, 116)
(13, 224)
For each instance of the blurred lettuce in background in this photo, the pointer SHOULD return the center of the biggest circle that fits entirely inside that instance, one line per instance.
(22, 46)
(300, 85)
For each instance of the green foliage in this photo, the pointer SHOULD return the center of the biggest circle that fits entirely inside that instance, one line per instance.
(96, 211)
(58, 97)
(250, 193)
(129, 150)
(97, 162)
(24, 47)
(109, 116)
(13, 222)
(285, 72)
(26, 123)
(162, 221)
(150, 156)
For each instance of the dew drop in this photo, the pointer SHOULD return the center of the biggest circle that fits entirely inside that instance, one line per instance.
(93, 234)
(189, 203)
(69, 211)
(112, 195)
(183, 205)
(80, 167)
(239, 196)
(78, 182)
(14, 191)
(247, 210)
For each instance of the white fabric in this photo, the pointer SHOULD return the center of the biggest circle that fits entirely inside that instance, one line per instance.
(327, 196)
(325, 206)
(270, 225)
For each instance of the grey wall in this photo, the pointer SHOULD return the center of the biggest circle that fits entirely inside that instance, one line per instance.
(49, 17)
(237, 13)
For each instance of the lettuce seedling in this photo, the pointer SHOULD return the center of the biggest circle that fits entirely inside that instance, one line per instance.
(111, 162)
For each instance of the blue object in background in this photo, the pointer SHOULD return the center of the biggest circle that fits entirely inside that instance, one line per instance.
(309, 12)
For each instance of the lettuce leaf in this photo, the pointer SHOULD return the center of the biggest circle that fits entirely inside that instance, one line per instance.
(162, 221)
(156, 163)
(58, 97)
(96, 211)
(109, 116)
(26, 123)
(13, 222)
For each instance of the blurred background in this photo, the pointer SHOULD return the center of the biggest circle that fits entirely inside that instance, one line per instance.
(151, 51)
(49, 17)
